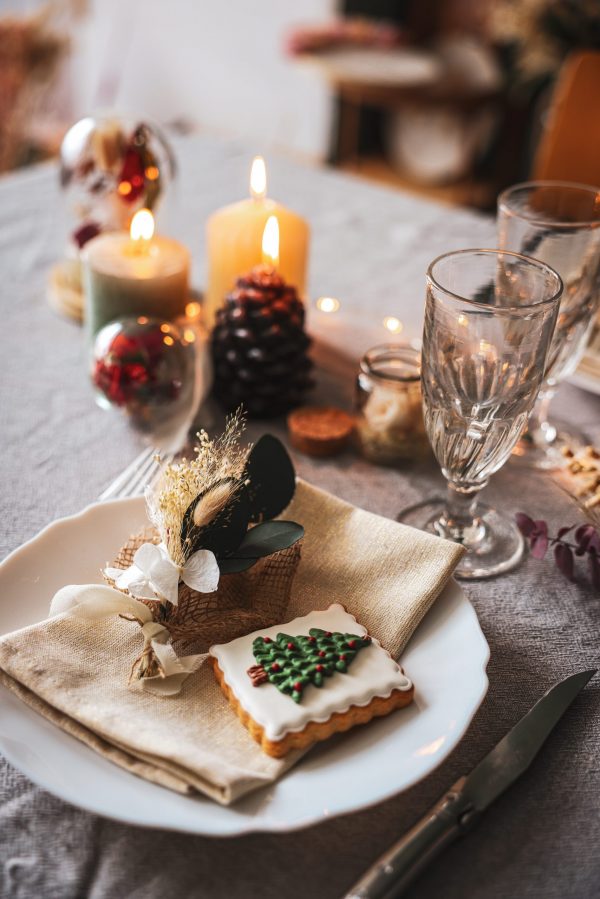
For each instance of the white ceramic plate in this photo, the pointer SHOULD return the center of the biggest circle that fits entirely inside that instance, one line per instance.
(446, 659)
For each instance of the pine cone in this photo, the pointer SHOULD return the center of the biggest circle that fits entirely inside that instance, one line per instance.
(259, 346)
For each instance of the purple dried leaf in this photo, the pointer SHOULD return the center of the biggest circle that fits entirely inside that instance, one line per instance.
(539, 545)
(583, 535)
(541, 527)
(587, 539)
(594, 543)
(563, 557)
(525, 524)
(562, 532)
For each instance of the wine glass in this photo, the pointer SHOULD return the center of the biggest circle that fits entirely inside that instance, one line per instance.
(489, 319)
(559, 224)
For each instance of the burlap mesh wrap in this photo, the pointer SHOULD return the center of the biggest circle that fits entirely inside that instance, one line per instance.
(242, 603)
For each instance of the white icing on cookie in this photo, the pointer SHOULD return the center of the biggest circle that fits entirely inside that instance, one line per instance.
(372, 673)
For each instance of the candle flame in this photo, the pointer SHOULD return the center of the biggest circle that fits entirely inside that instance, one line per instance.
(258, 178)
(142, 225)
(270, 242)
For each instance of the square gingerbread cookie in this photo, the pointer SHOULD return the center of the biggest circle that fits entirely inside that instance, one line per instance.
(295, 684)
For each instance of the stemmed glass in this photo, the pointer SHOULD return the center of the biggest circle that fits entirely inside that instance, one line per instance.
(489, 319)
(559, 224)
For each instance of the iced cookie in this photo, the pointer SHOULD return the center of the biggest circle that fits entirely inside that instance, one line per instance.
(296, 684)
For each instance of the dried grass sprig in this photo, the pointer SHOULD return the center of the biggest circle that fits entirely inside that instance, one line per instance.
(219, 461)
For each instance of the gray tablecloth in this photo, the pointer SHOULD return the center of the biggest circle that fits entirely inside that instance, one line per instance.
(370, 248)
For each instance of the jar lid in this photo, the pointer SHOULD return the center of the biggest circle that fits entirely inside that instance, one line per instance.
(398, 362)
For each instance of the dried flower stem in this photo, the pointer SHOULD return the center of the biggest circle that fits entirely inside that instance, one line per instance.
(587, 543)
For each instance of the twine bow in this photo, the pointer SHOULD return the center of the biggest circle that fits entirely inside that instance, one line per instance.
(95, 602)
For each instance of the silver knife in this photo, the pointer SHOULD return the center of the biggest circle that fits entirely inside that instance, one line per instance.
(461, 807)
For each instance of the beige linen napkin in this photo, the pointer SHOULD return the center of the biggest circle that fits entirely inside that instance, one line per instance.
(75, 671)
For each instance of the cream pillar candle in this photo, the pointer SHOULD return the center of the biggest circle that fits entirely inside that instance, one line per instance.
(134, 274)
(234, 241)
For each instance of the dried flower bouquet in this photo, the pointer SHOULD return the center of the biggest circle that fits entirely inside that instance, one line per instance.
(214, 565)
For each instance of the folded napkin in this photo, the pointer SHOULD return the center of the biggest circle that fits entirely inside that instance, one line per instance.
(75, 671)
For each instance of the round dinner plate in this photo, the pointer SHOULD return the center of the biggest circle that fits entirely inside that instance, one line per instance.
(446, 658)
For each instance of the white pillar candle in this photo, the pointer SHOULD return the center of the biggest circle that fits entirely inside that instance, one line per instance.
(234, 238)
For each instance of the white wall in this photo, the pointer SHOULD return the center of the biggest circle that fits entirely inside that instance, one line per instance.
(219, 65)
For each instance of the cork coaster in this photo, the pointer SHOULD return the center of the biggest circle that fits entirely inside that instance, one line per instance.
(320, 431)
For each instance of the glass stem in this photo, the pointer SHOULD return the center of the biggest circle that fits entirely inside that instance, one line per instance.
(539, 430)
(459, 521)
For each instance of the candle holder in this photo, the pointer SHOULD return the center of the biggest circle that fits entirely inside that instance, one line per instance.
(389, 424)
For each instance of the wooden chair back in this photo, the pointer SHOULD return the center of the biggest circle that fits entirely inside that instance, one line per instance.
(569, 149)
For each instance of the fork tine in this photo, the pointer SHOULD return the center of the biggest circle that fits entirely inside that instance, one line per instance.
(149, 477)
(121, 481)
(138, 480)
(137, 475)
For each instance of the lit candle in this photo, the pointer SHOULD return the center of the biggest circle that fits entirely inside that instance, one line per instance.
(234, 241)
(139, 273)
(269, 370)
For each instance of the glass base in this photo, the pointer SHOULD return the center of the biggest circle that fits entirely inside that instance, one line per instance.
(494, 546)
(544, 450)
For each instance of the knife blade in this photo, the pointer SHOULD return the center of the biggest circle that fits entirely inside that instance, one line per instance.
(461, 807)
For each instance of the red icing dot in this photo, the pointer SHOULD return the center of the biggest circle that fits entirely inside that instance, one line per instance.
(322, 654)
(297, 686)
(328, 633)
(275, 667)
(318, 668)
(291, 646)
(351, 644)
(312, 639)
(267, 640)
(342, 658)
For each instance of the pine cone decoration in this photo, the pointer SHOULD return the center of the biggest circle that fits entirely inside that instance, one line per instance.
(259, 346)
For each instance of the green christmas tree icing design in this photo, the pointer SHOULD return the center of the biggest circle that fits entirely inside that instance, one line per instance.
(292, 663)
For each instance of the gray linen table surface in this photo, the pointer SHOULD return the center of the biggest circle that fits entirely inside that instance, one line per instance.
(370, 247)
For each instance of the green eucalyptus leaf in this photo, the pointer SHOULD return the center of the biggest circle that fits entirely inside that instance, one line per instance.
(224, 533)
(269, 537)
(271, 476)
(234, 566)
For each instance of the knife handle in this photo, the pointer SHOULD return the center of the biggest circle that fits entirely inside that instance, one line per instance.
(398, 867)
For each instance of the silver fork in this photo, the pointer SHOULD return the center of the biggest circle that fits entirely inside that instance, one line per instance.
(137, 476)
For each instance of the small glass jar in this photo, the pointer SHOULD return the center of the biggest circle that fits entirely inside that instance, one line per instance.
(389, 422)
